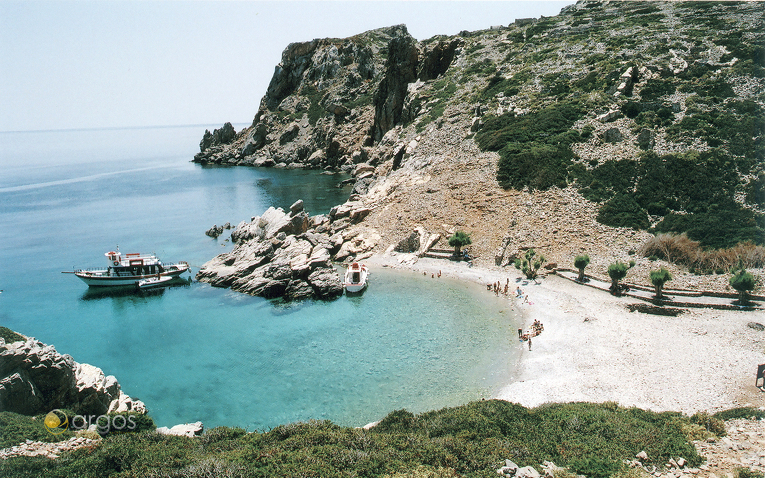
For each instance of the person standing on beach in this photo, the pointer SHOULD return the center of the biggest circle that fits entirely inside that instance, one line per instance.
(520, 333)
(529, 341)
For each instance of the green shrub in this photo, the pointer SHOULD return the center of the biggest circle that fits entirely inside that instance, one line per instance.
(10, 336)
(742, 472)
(596, 467)
(711, 423)
(623, 211)
(656, 88)
(533, 165)
(719, 227)
(469, 440)
(534, 149)
(740, 412)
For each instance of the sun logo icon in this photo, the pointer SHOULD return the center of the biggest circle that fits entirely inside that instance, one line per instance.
(56, 422)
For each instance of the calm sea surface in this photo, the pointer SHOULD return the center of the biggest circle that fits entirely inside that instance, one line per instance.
(194, 352)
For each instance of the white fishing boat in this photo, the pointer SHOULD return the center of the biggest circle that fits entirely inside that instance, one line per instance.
(129, 269)
(356, 278)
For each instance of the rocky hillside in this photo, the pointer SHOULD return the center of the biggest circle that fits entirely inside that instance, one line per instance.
(587, 132)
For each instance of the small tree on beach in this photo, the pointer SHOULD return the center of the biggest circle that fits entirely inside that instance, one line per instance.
(580, 263)
(658, 279)
(530, 264)
(617, 271)
(458, 240)
(743, 282)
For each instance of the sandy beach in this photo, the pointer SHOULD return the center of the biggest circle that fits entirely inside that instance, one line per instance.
(594, 349)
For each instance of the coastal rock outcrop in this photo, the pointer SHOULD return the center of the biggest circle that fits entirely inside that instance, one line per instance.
(289, 254)
(37, 379)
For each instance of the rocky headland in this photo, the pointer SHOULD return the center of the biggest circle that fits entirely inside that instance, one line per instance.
(291, 254)
(37, 379)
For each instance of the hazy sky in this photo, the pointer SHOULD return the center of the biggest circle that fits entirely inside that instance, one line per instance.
(89, 64)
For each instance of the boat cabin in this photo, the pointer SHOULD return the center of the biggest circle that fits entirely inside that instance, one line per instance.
(133, 264)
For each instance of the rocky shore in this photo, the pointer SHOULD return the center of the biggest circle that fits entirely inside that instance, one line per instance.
(291, 254)
(37, 379)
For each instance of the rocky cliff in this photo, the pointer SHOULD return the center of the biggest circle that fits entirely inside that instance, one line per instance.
(37, 379)
(587, 132)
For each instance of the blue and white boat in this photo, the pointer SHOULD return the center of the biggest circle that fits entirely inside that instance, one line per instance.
(130, 269)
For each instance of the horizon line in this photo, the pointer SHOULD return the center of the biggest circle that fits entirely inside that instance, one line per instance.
(107, 128)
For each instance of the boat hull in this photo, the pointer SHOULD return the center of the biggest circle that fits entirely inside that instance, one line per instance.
(356, 279)
(103, 279)
(355, 288)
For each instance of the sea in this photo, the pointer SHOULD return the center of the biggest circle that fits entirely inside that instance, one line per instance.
(193, 352)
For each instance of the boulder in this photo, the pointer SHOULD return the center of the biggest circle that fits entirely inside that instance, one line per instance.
(255, 140)
(337, 110)
(214, 231)
(437, 58)
(550, 469)
(188, 429)
(410, 243)
(508, 470)
(527, 472)
(326, 283)
(289, 134)
(357, 215)
(612, 115)
(296, 207)
(95, 391)
(298, 290)
(613, 135)
(34, 379)
(362, 168)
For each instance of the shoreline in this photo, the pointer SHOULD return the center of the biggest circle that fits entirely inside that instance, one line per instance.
(594, 350)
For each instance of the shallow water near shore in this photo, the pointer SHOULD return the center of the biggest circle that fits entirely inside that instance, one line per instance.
(193, 352)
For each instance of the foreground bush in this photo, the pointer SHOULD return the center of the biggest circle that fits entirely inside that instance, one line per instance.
(470, 440)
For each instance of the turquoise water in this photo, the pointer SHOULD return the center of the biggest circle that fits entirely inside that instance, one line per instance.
(193, 352)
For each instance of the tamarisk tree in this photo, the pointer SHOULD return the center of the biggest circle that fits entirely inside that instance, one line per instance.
(530, 264)
(658, 279)
(580, 263)
(743, 282)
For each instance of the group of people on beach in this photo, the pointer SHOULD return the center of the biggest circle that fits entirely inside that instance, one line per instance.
(536, 328)
(498, 288)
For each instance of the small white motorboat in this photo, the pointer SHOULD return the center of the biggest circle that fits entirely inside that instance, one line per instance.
(356, 278)
(152, 282)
